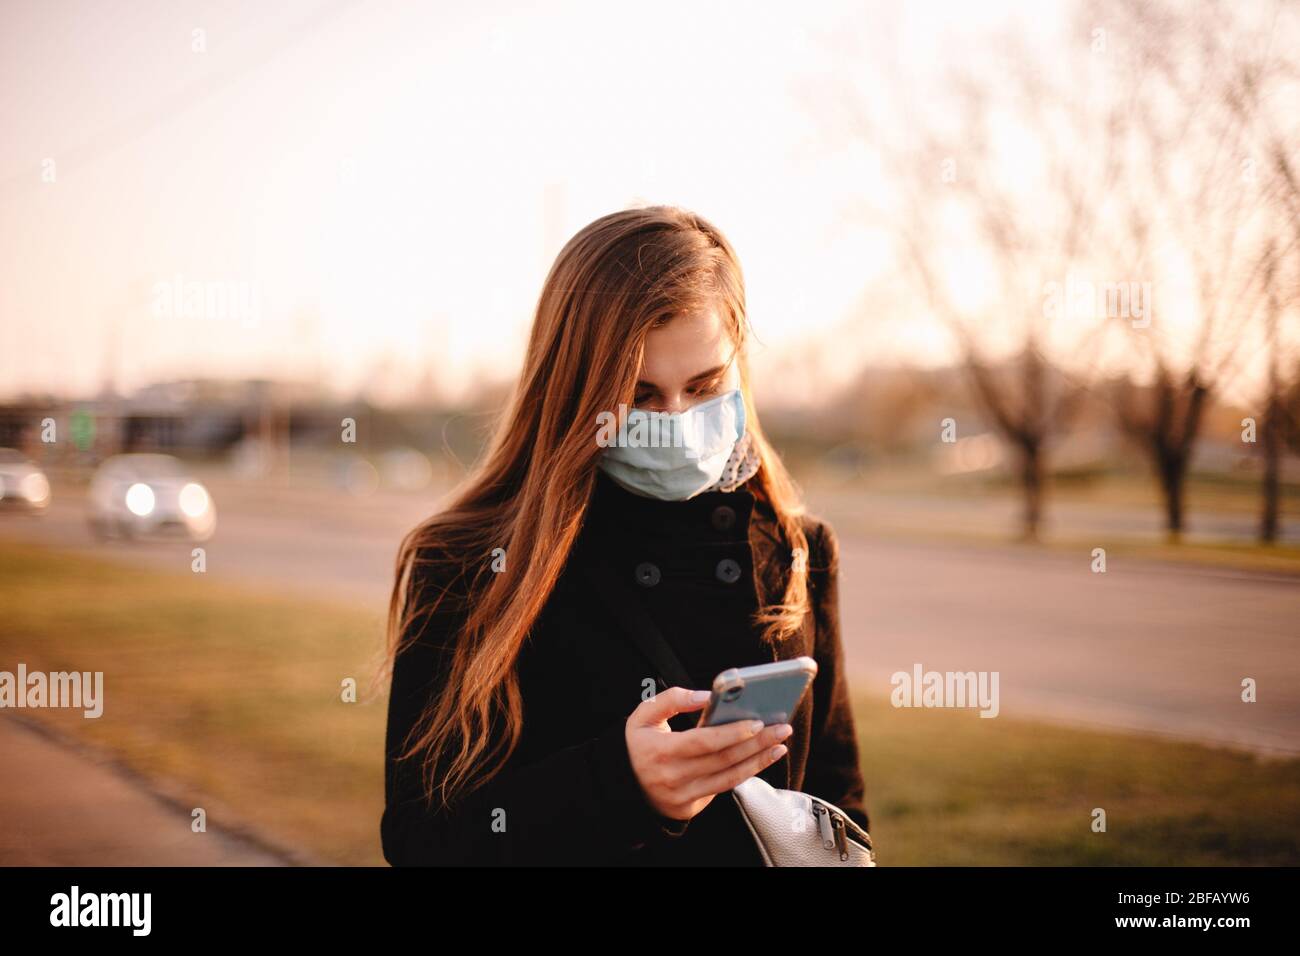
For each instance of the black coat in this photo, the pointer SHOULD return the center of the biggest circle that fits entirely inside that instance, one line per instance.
(568, 792)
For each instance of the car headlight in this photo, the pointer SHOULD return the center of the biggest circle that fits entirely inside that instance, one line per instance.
(194, 500)
(36, 488)
(139, 499)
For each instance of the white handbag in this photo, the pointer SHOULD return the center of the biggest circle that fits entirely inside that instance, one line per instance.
(793, 828)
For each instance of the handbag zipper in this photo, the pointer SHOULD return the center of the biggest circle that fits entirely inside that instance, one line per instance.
(841, 835)
(824, 825)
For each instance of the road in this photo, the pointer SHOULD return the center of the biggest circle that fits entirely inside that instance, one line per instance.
(1161, 648)
(1143, 646)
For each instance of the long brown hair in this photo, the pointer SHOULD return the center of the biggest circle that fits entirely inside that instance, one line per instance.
(617, 278)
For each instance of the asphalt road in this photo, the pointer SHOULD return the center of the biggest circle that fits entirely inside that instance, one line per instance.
(1146, 646)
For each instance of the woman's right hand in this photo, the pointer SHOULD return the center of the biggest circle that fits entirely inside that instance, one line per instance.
(681, 771)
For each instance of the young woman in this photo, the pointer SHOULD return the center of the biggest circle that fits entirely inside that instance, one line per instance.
(525, 726)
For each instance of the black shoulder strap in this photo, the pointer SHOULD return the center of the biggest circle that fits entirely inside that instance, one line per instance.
(638, 626)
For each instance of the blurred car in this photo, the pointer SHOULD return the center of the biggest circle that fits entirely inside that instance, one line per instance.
(22, 483)
(146, 494)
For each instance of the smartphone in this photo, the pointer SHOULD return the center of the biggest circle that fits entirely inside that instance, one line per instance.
(770, 692)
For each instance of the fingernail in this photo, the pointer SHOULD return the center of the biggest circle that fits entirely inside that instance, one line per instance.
(778, 751)
(785, 731)
(699, 696)
(755, 726)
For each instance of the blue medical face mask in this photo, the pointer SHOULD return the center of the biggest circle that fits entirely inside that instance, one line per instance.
(675, 457)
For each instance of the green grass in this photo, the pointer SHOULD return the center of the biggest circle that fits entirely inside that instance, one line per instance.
(236, 696)
(951, 788)
(233, 694)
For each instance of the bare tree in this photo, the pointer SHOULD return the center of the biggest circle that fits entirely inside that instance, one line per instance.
(1263, 75)
(1139, 178)
(1032, 239)
(1187, 73)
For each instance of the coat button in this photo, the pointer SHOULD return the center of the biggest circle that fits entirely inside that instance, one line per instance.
(723, 517)
(728, 571)
(647, 575)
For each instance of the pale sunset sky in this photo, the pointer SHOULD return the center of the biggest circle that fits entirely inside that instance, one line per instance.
(392, 180)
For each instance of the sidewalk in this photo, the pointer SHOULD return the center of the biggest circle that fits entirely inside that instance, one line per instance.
(62, 805)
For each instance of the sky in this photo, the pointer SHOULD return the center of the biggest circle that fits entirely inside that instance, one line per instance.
(370, 195)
